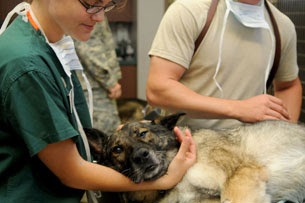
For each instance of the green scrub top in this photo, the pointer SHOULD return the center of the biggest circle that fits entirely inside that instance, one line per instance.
(34, 112)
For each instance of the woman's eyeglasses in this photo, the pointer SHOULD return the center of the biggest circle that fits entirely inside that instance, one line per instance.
(92, 9)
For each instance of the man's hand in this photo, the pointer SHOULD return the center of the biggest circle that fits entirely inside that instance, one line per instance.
(262, 107)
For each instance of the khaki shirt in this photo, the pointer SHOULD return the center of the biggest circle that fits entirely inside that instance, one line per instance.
(244, 57)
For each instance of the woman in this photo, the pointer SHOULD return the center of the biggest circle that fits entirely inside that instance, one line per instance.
(43, 109)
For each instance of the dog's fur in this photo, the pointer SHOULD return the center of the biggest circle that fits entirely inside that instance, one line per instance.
(257, 163)
(132, 109)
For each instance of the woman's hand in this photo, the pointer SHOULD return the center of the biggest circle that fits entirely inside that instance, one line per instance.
(185, 158)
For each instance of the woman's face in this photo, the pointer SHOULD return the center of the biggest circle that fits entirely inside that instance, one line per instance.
(70, 17)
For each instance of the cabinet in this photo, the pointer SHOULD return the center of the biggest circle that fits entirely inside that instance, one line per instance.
(129, 81)
(123, 27)
(124, 14)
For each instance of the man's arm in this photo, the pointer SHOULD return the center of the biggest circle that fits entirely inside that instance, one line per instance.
(164, 90)
(291, 95)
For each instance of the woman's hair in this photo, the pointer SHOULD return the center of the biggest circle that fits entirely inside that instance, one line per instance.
(29, 1)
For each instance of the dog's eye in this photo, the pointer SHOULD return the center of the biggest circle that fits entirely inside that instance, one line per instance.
(117, 149)
(142, 134)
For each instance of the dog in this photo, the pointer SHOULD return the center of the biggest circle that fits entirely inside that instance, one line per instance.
(253, 163)
(133, 109)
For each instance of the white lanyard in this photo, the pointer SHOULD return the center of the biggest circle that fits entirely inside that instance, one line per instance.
(239, 11)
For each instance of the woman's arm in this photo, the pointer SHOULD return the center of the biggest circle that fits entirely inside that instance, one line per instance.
(63, 159)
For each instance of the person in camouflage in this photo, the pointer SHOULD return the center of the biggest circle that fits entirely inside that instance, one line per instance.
(101, 66)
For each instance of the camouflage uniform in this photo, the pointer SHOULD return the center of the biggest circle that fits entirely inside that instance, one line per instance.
(101, 66)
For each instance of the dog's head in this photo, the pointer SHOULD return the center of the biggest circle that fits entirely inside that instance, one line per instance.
(140, 150)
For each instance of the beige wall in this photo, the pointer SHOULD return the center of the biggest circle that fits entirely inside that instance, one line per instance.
(149, 14)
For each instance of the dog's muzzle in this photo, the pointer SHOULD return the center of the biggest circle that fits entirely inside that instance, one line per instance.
(145, 164)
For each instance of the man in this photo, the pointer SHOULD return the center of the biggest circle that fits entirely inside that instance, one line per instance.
(223, 82)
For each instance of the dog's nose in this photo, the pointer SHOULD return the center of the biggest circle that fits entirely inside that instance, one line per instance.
(141, 156)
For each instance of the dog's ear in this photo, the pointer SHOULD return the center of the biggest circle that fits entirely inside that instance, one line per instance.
(96, 140)
(169, 121)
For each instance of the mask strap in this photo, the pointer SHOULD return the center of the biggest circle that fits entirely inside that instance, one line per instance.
(92, 195)
(20, 9)
(220, 51)
(90, 95)
(81, 130)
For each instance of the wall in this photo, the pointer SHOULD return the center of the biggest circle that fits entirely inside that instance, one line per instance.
(149, 14)
(295, 10)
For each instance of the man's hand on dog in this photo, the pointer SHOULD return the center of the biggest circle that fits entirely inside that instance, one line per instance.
(261, 107)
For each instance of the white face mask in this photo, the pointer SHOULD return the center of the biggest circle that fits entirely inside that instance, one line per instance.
(65, 52)
(250, 16)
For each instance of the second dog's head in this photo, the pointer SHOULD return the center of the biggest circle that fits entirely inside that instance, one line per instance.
(140, 150)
